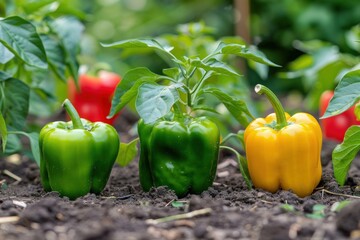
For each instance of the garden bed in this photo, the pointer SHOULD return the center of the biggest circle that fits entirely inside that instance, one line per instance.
(228, 210)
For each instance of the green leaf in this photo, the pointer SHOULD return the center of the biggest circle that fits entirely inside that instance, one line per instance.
(42, 7)
(3, 132)
(127, 152)
(128, 87)
(5, 54)
(235, 106)
(15, 99)
(55, 54)
(20, 37)
(70, 30)
(13, 144)
(357, 111)
(155, 101)
(346, 94)
(344, 154)
(172, 72)
(141, 43)
(318, 212)
(246, 52)
(34, 143)
(3, 185)
(337, 206)
(261, 69)
(288, 207)
(177, 204)
(42, 103)
(214, 65)
(4, 76)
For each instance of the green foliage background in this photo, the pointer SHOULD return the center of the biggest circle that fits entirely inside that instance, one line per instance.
(276, 27)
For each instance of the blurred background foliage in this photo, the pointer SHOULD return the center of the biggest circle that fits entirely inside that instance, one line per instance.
(280, 29)
(284, 30)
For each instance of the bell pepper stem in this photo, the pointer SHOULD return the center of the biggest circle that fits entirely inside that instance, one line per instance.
(275, 102)
(73, 114)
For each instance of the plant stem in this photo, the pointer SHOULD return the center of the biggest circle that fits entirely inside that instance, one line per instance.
(275, 102)
(198, 87)
(242, 165)
(230, 135)
(73, 114)
(177, 111)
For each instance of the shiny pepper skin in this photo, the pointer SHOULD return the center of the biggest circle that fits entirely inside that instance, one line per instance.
(181, 155)
(77, 156)
(286, 158)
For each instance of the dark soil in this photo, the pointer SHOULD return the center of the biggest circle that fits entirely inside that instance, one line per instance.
(227, 210)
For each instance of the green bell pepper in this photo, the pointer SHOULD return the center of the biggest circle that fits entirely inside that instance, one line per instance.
(77, 156)
(180, 154)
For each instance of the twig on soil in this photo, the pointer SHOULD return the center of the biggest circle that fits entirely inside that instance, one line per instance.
(8, 219)
(179, 216)
(169, 202)
(119, 198)
(10, 174)
(264, 201)
(339, 194)
(19, 203)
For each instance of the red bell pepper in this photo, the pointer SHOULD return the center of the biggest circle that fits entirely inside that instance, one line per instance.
(93, 98)
(336, 126)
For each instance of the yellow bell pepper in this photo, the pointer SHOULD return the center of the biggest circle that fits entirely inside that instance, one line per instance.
(283, 151)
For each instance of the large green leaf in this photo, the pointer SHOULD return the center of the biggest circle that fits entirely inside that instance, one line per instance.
(246, 52)
(346, 94)
(4, 76)
(214, 65)
(20, 37)
(42, 7)
(128, 87)
(55, 54)
(13, 144)
(141, 43)
(15, 102)
(155, 101)
(5, 54)
(345, 152)
(236, 107)
(34, 143)
(70, 30)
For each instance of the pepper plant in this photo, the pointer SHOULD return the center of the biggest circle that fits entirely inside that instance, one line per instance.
(179, 144)
(38, 48)
(346, 95)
